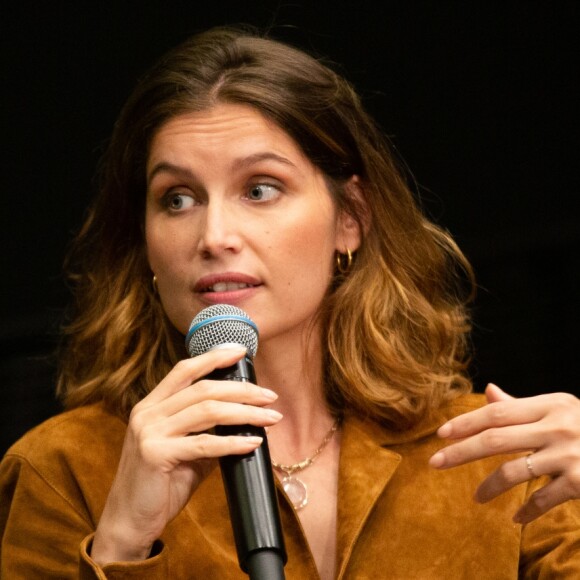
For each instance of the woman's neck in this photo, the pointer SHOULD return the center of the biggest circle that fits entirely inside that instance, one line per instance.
(295, 374)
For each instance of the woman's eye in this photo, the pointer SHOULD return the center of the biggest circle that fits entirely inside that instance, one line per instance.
(179, 201)
(263, 192)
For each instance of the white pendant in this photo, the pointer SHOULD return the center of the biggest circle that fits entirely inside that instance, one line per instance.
(296, 491)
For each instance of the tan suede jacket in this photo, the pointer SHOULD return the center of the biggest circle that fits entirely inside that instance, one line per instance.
(397, 517)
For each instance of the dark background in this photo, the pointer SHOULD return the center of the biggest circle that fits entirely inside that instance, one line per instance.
(481, 101)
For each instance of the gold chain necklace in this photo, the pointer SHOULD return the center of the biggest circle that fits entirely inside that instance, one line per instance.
(295, 488)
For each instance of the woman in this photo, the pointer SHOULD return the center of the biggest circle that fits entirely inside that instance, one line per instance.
(242, 171)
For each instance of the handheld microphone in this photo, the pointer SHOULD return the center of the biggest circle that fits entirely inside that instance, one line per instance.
(248, 479)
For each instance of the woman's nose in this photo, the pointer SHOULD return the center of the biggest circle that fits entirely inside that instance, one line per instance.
(219, 230)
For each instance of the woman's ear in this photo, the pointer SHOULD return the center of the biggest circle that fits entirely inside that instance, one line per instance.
(352, 218)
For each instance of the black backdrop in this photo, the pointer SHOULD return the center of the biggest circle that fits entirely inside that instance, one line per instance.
(481, 101)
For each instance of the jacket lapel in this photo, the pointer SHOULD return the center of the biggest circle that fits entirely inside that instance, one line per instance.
(365, 469)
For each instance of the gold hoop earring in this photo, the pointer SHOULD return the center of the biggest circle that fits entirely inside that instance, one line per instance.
(344, 262)
(154, 282)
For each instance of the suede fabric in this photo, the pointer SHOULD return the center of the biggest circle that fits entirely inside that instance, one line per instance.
(397, 517)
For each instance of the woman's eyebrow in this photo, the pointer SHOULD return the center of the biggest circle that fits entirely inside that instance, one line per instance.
(166, 167)
(249, 160)
(239, 163)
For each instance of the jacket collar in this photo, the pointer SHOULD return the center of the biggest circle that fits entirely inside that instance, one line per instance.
(366, 466)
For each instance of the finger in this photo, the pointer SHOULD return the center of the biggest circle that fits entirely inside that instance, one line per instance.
(514, 472)
(227, 391)
(207, 446)
(494, 394)
(496, 441)
(208, 414)
(497, 414)
(554, 493)
(186, 371)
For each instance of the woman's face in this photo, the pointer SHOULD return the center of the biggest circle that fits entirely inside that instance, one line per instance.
(236, 214)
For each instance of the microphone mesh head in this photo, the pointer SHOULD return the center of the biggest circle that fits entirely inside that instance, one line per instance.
(221, 324)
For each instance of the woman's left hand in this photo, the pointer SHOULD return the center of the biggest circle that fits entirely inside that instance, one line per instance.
(547, 426)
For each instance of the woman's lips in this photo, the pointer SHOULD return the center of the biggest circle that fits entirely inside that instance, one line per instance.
(227, 287)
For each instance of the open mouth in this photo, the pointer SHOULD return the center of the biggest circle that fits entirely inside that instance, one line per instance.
(227, 287)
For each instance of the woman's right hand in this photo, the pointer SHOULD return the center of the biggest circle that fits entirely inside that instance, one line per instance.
(167, 451)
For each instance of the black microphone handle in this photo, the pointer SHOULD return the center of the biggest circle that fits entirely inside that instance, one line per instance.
(251, 493)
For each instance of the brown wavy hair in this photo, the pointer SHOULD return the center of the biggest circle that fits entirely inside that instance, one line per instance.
(396, 325)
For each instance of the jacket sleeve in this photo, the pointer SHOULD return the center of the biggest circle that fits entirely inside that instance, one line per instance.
(46, 531)
(154, 567)
(550, 545)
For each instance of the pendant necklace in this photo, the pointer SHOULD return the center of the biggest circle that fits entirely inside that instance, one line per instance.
(295, 488)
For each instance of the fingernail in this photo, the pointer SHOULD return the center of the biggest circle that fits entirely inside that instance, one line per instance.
(438, 460)
(444, 430)
(254, 440)
(273, 414)
(233, 349)
(268, 394)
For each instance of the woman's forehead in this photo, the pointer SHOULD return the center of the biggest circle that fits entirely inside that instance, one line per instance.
(230, 129)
